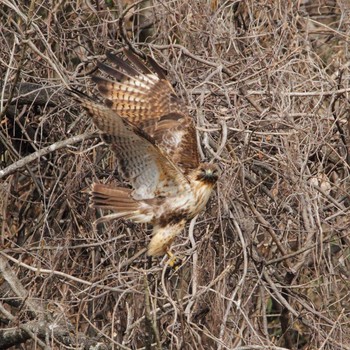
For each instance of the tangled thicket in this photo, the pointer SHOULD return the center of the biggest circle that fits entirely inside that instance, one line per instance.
(267, 265)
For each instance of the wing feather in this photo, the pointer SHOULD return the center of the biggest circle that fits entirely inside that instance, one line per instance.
(137, 62)
(121, 63)
(140, 161)
(156, 68)
(148, 100)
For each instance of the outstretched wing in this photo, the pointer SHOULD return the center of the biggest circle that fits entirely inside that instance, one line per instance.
(140, 161)
(148, 100)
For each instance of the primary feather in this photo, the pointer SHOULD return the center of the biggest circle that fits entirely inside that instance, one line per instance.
(148, 100)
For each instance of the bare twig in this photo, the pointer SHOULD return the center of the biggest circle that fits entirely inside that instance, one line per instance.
(44, 151)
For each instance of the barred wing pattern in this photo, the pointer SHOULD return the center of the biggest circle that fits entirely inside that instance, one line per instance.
(148, 100)
(140, 161)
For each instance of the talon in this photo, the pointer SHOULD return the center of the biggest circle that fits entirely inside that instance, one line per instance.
(174, 262)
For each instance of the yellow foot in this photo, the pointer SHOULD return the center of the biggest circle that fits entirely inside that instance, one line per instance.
(174, 262)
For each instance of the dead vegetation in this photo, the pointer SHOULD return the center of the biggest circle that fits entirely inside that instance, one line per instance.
(266, 266)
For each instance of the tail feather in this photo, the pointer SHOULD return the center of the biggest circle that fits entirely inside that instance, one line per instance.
(110, 217)
(119, 200)
(116, 198)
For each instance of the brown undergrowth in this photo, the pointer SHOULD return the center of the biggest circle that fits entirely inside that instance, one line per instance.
(266, 266)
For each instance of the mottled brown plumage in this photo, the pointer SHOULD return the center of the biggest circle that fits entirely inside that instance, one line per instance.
(149, 101)
(153, 137)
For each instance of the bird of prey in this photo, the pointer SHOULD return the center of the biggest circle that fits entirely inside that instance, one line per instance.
(154, 140)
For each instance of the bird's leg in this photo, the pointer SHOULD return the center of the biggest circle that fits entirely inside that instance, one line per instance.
(174, 262)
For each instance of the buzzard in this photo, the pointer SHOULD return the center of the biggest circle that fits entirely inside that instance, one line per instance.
(154, 141)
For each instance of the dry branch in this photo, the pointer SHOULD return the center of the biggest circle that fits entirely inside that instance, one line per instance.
(267, 264)
(44, 151)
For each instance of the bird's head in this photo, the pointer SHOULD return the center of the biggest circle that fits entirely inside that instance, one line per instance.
(207, 173)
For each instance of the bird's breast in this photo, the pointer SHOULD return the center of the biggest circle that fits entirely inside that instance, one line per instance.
(201, 193)
(185, 206)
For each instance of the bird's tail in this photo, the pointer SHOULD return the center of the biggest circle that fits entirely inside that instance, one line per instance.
(117, 199)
